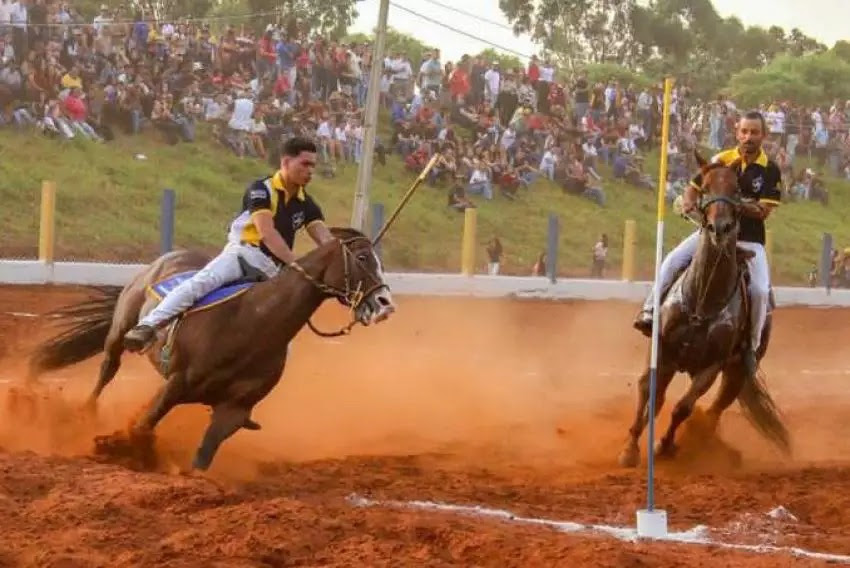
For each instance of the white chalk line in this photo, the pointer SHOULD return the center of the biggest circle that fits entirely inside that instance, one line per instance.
(697, 535)
(20, 314)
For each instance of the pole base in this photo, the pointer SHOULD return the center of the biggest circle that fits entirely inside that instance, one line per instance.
(651, 524)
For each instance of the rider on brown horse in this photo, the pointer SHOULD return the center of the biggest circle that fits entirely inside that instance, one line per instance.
(261, 236)
(759, 182)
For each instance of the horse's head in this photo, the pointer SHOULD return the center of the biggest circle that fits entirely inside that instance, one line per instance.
(356, 277)
(720, 201)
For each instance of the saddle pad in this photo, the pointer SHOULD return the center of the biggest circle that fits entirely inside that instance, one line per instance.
(214, 298)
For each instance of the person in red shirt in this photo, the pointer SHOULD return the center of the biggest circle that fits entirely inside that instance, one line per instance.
(77, 112)
(459, 83)
(266, 55)
(533, 71)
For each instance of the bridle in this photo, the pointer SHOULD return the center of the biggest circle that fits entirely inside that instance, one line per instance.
(351, 296)
(704, 203)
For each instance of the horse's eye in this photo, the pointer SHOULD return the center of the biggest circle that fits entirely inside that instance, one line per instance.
(361, 257)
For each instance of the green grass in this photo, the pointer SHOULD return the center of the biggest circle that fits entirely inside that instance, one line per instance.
(108, 209)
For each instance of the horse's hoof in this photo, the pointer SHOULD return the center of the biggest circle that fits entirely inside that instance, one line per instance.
(665, 451)
(629, 457)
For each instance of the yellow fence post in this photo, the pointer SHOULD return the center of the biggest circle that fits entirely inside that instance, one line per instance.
(467, 259)
(47, 225)
(629, 250)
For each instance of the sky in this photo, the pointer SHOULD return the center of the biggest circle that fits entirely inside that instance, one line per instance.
(824, 20)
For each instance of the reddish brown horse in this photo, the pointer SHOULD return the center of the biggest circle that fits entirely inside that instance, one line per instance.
(704, 321)
(229, 357)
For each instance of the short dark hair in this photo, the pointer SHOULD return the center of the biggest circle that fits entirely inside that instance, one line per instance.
(295, 145)
(756, 115)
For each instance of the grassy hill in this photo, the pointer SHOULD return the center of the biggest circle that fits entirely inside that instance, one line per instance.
(108, 209)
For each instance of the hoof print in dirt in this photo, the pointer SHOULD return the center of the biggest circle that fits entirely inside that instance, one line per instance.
(134, 451)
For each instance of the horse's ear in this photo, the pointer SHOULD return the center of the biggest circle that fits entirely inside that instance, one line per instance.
(701, 162)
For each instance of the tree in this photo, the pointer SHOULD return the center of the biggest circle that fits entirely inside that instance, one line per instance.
(398, 42)
(330, 18)
(576, 31)
(810, 80)
(506, 61)
(842, 50)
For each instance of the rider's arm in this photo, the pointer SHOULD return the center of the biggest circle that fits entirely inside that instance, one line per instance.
(314, 222)
(319, 232)
(690, 196)
(264, 221)
(770, 195)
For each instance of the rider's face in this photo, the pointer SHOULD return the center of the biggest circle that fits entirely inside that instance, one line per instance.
(750, 135)
(299, 169)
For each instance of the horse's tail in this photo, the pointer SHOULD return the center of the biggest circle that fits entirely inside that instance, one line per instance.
(761, 411)
(86, 326)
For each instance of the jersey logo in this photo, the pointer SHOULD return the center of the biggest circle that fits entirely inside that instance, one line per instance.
(297, 220)
(258, 194)
(758, 183)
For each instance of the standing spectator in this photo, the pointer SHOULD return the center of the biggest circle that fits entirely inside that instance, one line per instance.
(600, 254)
(494, 254)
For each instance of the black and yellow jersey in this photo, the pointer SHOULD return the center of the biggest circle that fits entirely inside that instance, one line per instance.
(759, 180)
(289, 214)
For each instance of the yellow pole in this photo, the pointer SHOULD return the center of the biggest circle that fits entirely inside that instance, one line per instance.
(629, 248)
(467, 259)
(47, 226)
(656, 319)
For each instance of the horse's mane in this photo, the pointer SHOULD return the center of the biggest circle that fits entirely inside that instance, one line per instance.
(345, 233)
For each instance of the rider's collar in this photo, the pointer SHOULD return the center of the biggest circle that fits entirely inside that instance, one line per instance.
(277, 183)
(760, 160)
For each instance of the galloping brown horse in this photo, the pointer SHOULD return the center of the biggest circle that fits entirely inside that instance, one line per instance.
(229, 357)
(704, 321)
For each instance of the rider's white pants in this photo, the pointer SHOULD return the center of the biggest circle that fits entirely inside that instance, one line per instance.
(220, 271)
(759, 288)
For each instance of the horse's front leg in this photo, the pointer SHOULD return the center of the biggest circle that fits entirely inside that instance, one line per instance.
(630, 456)
(699, 386)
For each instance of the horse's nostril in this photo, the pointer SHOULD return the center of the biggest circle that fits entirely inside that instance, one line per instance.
(383, 301)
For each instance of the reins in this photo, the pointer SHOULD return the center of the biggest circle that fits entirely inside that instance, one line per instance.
(704, 203)
(353, 297)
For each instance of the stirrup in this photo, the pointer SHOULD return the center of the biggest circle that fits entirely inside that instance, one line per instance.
(134, 343)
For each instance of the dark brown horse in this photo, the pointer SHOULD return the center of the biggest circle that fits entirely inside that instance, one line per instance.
(229, 357)
(704, 323)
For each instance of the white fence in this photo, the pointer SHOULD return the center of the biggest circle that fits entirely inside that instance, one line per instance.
(415, 284)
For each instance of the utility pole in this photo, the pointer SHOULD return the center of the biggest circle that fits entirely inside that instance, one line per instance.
(370, 122)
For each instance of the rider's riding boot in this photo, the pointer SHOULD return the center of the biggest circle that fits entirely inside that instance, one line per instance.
(138, 338)
(750, 362)
(643, 322)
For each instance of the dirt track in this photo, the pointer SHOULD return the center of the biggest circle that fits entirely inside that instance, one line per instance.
(513, 405)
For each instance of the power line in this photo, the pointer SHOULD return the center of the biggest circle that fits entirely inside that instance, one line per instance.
(471, 15)
(461, 32)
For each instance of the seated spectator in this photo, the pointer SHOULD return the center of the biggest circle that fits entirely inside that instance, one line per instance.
(457, 197)
(479, 181)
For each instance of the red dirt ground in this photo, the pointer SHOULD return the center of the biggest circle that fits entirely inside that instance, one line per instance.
(508, 404)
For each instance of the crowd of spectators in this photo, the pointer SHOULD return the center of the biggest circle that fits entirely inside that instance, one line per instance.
(498, 130)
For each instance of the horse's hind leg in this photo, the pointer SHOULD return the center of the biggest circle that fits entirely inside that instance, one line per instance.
(109, 367)
(630, 456)
(225, 421)
(683, 409)
(126, 314)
